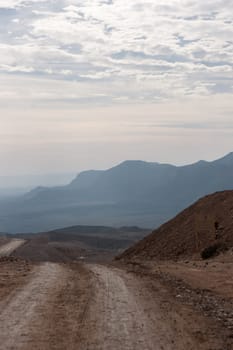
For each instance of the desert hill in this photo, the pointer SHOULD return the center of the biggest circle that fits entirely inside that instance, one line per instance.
(71, 243)
(207, 223)
(131, 193)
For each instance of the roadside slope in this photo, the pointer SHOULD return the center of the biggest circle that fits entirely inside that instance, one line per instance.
(207, 222)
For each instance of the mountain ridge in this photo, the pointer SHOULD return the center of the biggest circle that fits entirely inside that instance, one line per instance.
(93, 174)
(131, 193)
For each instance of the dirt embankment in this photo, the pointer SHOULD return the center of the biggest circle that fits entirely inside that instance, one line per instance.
(208, 222)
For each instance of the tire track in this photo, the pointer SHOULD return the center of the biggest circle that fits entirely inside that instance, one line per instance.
(114, 319)
(24, 307)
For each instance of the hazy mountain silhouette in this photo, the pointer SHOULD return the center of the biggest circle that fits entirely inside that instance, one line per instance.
(131, 193)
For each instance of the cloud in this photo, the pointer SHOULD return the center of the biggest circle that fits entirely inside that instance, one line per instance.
(173, 49)
(11, 4)
(88, 80)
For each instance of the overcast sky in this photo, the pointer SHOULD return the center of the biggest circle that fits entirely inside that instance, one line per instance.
(89, 83)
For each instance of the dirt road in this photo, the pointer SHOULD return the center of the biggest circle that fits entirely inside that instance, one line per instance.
(19, 309)
(115, 319)
(125, 312)
(97, 307)
(8, 248)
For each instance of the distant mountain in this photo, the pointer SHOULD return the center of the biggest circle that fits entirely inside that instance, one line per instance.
(227, 160)
(131, 193)
(27, 181)
(85, 179)
(206, 226)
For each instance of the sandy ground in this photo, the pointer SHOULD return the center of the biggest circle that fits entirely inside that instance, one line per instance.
(78, 306)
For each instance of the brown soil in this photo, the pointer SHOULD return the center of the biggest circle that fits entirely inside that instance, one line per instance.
(58, 321)
(13, 274)
(3, 240)
(18, 313)
(72, 306)
(132, 312)
(206, 223)
(204, 288)
(40, 248)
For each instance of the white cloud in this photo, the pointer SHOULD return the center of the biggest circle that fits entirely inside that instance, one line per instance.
(143, 73)
(8, 4)
(182, 44)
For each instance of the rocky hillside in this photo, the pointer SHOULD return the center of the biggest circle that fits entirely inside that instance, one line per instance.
(203, 229)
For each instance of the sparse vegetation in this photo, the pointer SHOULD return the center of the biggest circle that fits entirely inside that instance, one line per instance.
(213, 250)
(216, 225)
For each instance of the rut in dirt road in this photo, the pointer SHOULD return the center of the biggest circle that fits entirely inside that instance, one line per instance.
(8, 248)
(114, 319)
(18, 312)
(124, 312)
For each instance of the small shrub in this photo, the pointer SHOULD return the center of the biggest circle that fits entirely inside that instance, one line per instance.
(216, 225)
(213, 250)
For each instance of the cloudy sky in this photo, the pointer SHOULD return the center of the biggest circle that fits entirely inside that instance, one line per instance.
(89, 83)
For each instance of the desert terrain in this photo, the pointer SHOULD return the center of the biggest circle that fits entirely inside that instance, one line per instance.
(75, 305)
(65, 298)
